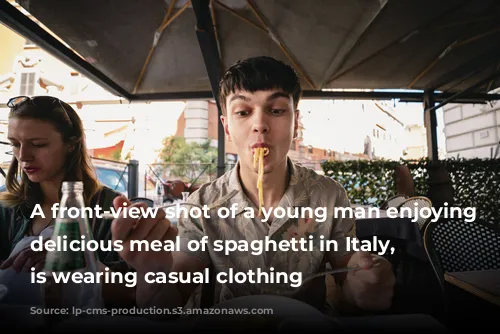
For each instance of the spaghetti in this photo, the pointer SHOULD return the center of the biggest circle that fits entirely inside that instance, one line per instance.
(258, 158)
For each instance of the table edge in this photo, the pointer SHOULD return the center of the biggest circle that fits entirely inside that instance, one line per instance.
(485, 295)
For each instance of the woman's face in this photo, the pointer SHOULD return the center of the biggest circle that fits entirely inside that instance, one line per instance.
(38, 148)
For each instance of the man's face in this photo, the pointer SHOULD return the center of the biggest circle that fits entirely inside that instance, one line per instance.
(260, 119)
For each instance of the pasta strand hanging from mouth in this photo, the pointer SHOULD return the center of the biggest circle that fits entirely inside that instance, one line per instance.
(260, 180)
(258, 157)
(255, 157)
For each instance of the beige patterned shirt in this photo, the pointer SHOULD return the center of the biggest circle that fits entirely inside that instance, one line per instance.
(306, 189)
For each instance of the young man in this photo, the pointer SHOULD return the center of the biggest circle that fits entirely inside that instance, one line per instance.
(259, 97)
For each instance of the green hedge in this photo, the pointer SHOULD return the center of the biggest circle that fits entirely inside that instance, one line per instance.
(476, 182)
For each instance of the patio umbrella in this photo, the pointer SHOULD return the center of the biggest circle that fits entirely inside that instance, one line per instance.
(349, 49)
(150, 49)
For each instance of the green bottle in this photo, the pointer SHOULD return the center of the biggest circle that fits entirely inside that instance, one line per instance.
(71, 224)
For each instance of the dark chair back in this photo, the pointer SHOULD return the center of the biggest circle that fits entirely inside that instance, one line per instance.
(457, 245)
(393, 202)
(417, 202)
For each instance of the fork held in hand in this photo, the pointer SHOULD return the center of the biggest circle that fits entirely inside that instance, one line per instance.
(376, 263)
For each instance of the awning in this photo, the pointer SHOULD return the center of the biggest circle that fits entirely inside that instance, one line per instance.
(150, 49)
(98, 139)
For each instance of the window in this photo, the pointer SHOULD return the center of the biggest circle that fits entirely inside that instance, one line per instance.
(111, 178)
(27, 84)
(310, 149)
(484, 134)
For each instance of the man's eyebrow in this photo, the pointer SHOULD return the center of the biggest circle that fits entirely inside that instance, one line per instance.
(239, 97)
(34, 138)
(277, 95)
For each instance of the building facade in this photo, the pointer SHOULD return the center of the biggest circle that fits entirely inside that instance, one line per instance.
(472, 131)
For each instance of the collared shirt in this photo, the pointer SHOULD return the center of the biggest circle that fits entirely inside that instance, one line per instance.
(306, 189)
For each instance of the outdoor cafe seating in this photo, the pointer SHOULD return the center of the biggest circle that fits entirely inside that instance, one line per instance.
(465, 257)
(446, 268)
(416, 285)
(393, 201)
(417, 202)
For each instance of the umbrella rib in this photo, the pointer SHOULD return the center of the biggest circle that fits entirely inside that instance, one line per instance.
(431, 65)
(492, 81)
(448, 50)
(472, 39)
(169, 12)
(282, 45)
(166, 21)
(401, 39)
(241, 17)
(214, 25)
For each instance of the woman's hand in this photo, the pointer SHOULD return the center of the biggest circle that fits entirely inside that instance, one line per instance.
(26, 259)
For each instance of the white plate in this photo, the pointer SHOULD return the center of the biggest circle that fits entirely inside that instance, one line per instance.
(3, 291)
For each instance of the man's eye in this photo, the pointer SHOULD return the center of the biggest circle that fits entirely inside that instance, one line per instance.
(242, 113)
(277, 111)
(39, 145)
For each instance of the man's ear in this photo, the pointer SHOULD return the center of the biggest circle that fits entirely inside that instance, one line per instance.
(224, 121)
(296, 124)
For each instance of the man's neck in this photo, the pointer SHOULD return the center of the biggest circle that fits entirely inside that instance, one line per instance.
(274, 184)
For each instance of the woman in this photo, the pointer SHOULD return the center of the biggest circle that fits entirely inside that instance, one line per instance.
(49, 147)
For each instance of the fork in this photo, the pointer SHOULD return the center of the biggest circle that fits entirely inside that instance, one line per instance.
(376, 263)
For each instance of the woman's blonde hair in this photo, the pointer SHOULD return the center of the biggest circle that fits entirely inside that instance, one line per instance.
(79, 166)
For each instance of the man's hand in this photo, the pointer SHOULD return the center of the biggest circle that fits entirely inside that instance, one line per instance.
(372, 287)
(149, 229)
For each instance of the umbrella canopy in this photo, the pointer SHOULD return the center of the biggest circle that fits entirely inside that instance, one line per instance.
(149, 49)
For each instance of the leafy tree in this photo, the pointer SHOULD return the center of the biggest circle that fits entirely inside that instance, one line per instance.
(187, 160)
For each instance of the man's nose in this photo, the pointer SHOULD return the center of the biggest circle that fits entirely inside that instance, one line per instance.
(260, 123)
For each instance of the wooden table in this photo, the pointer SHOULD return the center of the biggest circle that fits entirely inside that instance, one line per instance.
(484, 283)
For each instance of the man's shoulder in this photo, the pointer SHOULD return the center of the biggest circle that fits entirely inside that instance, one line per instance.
(211, 191)
(317, 182)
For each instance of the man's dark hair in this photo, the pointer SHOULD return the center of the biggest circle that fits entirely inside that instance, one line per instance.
(259, 73)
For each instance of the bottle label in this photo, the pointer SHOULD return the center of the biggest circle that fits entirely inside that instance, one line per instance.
(67, 260)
